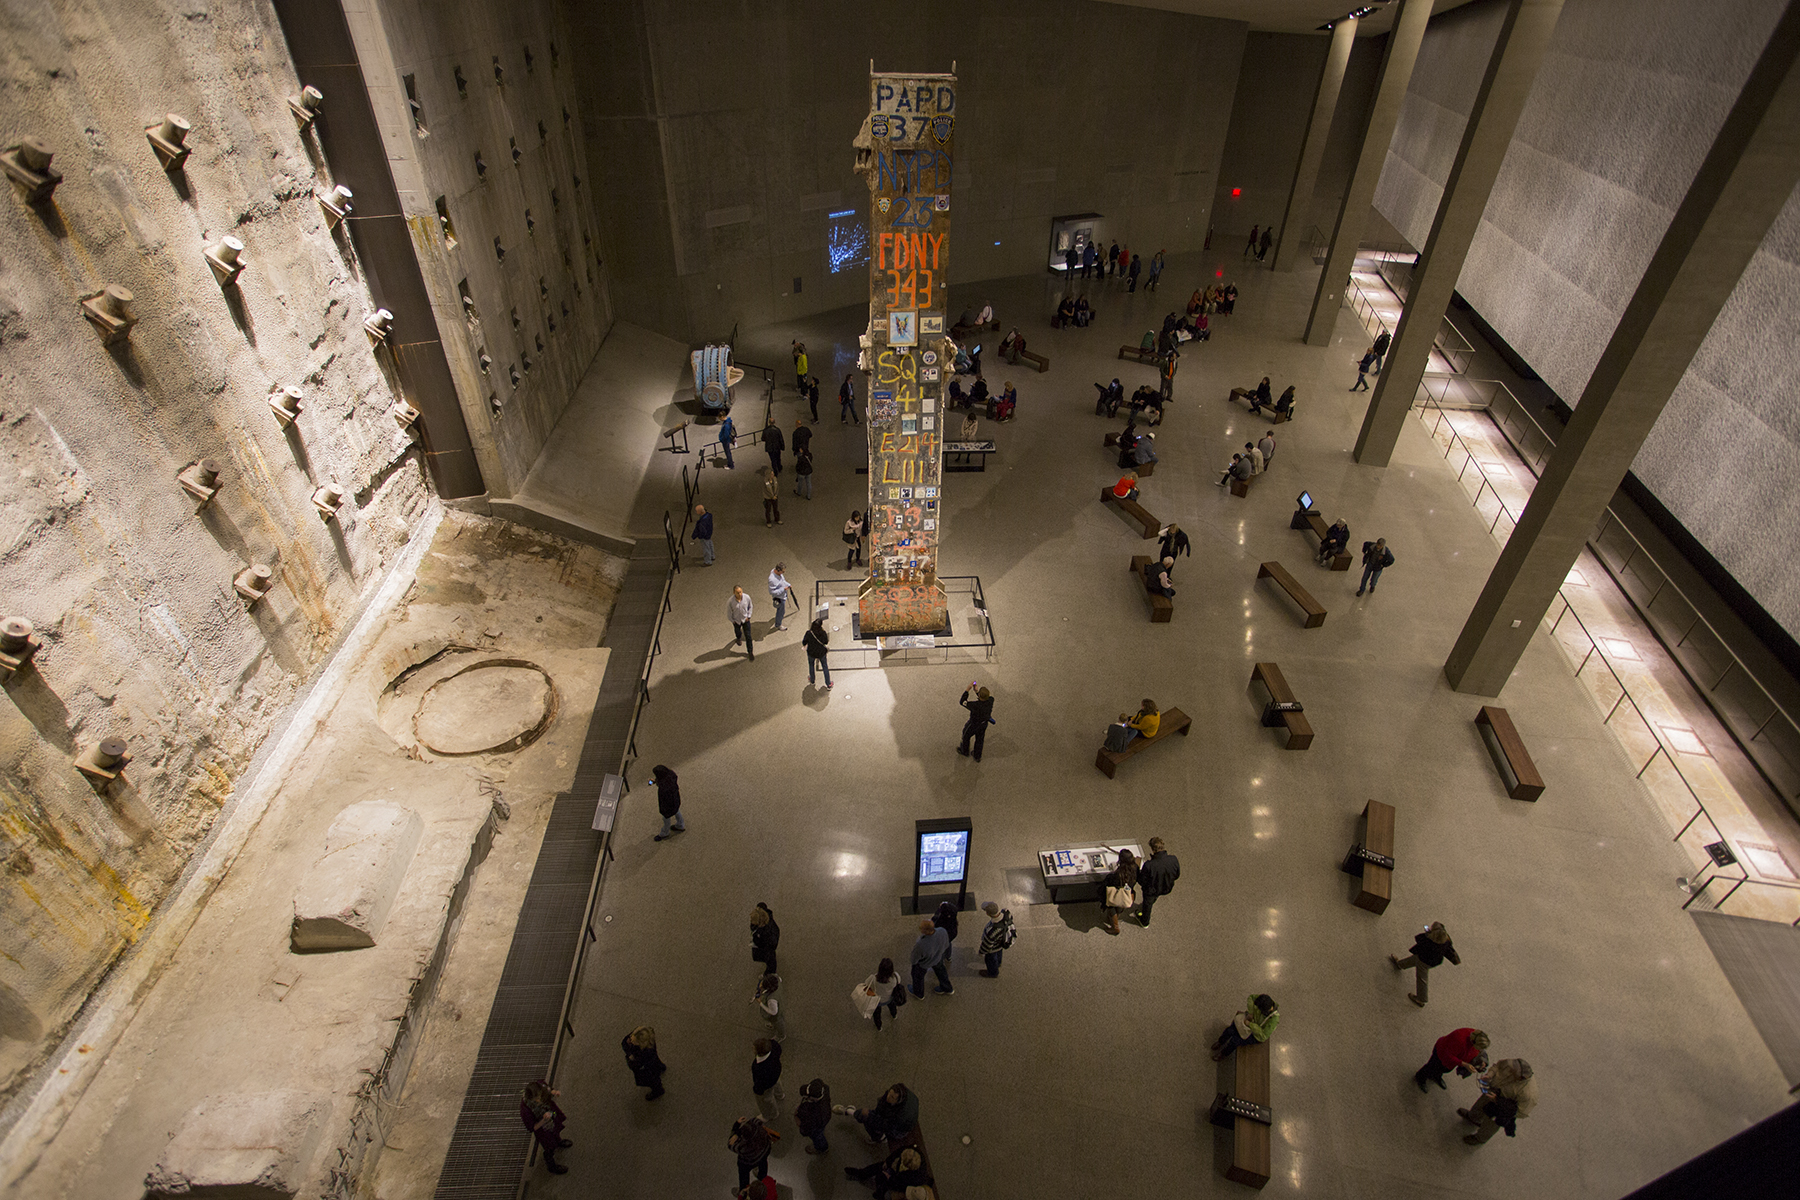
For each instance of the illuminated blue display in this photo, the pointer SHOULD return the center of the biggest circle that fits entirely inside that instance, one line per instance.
(846, 241)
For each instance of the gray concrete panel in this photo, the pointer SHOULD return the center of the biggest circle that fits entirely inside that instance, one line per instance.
(1741, 189)
(1384, 113)
(1512, 67)
(1290, 234)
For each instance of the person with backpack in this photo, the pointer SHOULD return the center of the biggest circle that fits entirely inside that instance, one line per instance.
(803, 473)
(813, 1115)
(1156, 877)
(815, 641)
(751, 1141)
(1376, 559)
(996, 937)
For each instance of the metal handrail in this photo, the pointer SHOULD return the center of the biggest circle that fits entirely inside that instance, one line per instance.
(1594, 648)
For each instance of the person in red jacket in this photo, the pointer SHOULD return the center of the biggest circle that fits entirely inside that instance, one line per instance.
(1465, 1050)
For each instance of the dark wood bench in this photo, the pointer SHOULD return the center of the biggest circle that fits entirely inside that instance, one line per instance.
(1307, 519)
(1378, 838)
(1282, 418)
(1299, 729)
(1315, 612)
(1161, 607)
(1241, 487)
(1144, 470)
(1517, 770)
(1134, 510)
(1249, 1136)
(1039, 361)
(1174, 721)
(1243, 394)
(914, 1140)
(1144, 354)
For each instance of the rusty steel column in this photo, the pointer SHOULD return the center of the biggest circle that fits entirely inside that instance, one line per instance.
(904, 152)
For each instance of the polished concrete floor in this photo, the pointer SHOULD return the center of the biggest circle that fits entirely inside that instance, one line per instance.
(1082, 1070)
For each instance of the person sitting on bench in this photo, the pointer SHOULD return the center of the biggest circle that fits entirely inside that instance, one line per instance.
(1083, 313)
(1156, 578)
(1010, 347)
(1258, 395)
(1127, 440)
(1126, 488)
(1228, 299)
(1002, 409)
(1284, 407)
(1254, 1024)
(1149, 718)
(1111, 396)
(978, 396)
(1119, 734)
(1065, 315)
(957, 397)
(1143, 452)
(1143, 397)
(986, 316)
(1335, 541)
(1239, 469)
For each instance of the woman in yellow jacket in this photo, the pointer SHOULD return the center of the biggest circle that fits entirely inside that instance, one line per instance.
(1148, 720)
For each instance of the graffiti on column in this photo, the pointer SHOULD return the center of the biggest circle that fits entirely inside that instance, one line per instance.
(904, 153)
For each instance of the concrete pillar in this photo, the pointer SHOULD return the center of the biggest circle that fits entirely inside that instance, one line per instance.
(1749, 174)
(1512, 69)
(1312, 150)
(1390, 91)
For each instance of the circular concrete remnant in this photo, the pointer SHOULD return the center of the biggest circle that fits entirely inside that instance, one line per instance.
(489, 707)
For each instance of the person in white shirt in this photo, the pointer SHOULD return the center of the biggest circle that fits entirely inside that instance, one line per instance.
(780, 591)
(737, 608)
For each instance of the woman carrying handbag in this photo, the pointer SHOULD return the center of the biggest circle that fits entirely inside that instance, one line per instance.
(881, 990)
(1120, 890)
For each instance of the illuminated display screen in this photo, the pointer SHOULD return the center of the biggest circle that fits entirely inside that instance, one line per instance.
(943, 857)
(846, 240)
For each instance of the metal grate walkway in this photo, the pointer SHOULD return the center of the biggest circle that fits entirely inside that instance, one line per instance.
(490, 1147)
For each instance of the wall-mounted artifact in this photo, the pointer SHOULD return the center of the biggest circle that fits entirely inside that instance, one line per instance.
(28, 165)
(377, 325)
(328, 498)
(404, 414)
(285, 403)
(336, 204)
(253, 583)
(306, 105)
(103, 762)
(169, 140)
(109, 310)
(18, 644)
(200, 480)
(226, 258)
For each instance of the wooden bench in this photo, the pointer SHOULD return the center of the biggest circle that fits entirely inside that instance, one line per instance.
(1299, 729)
(1378, 838)
(1307, 519)
(1249, 1137)
(1173, 721)
(1135, 511)
(1144, 470)
(1241, 487)
(1517, 770)
(1038, 360)
(1315, 612)
(1161, 607)
(1243, 394)
(1144, 354)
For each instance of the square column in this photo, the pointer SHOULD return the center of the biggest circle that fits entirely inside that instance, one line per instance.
(1747, 177)
(1512, 69)
(1312, 150)
(1353, 214)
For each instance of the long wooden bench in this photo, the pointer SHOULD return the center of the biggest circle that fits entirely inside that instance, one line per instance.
(1378, 839)
(1307, 519)
(1517, 770)
(1249, 1136)
(1038, 360)
(1299, 729)
(1174, 721)
(1241, 487)
(1315, 612)
(1134, 510)
(1144, 354)
(1144, 470)
(1161, 607)
(1243, 394)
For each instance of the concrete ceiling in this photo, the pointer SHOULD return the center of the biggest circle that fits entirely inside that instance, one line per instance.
(1287, 16)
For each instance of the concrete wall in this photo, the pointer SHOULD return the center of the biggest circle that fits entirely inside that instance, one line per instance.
(719, 135)
(545, 304)
(129, 586)
(1623, 111)
(1268, 122)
